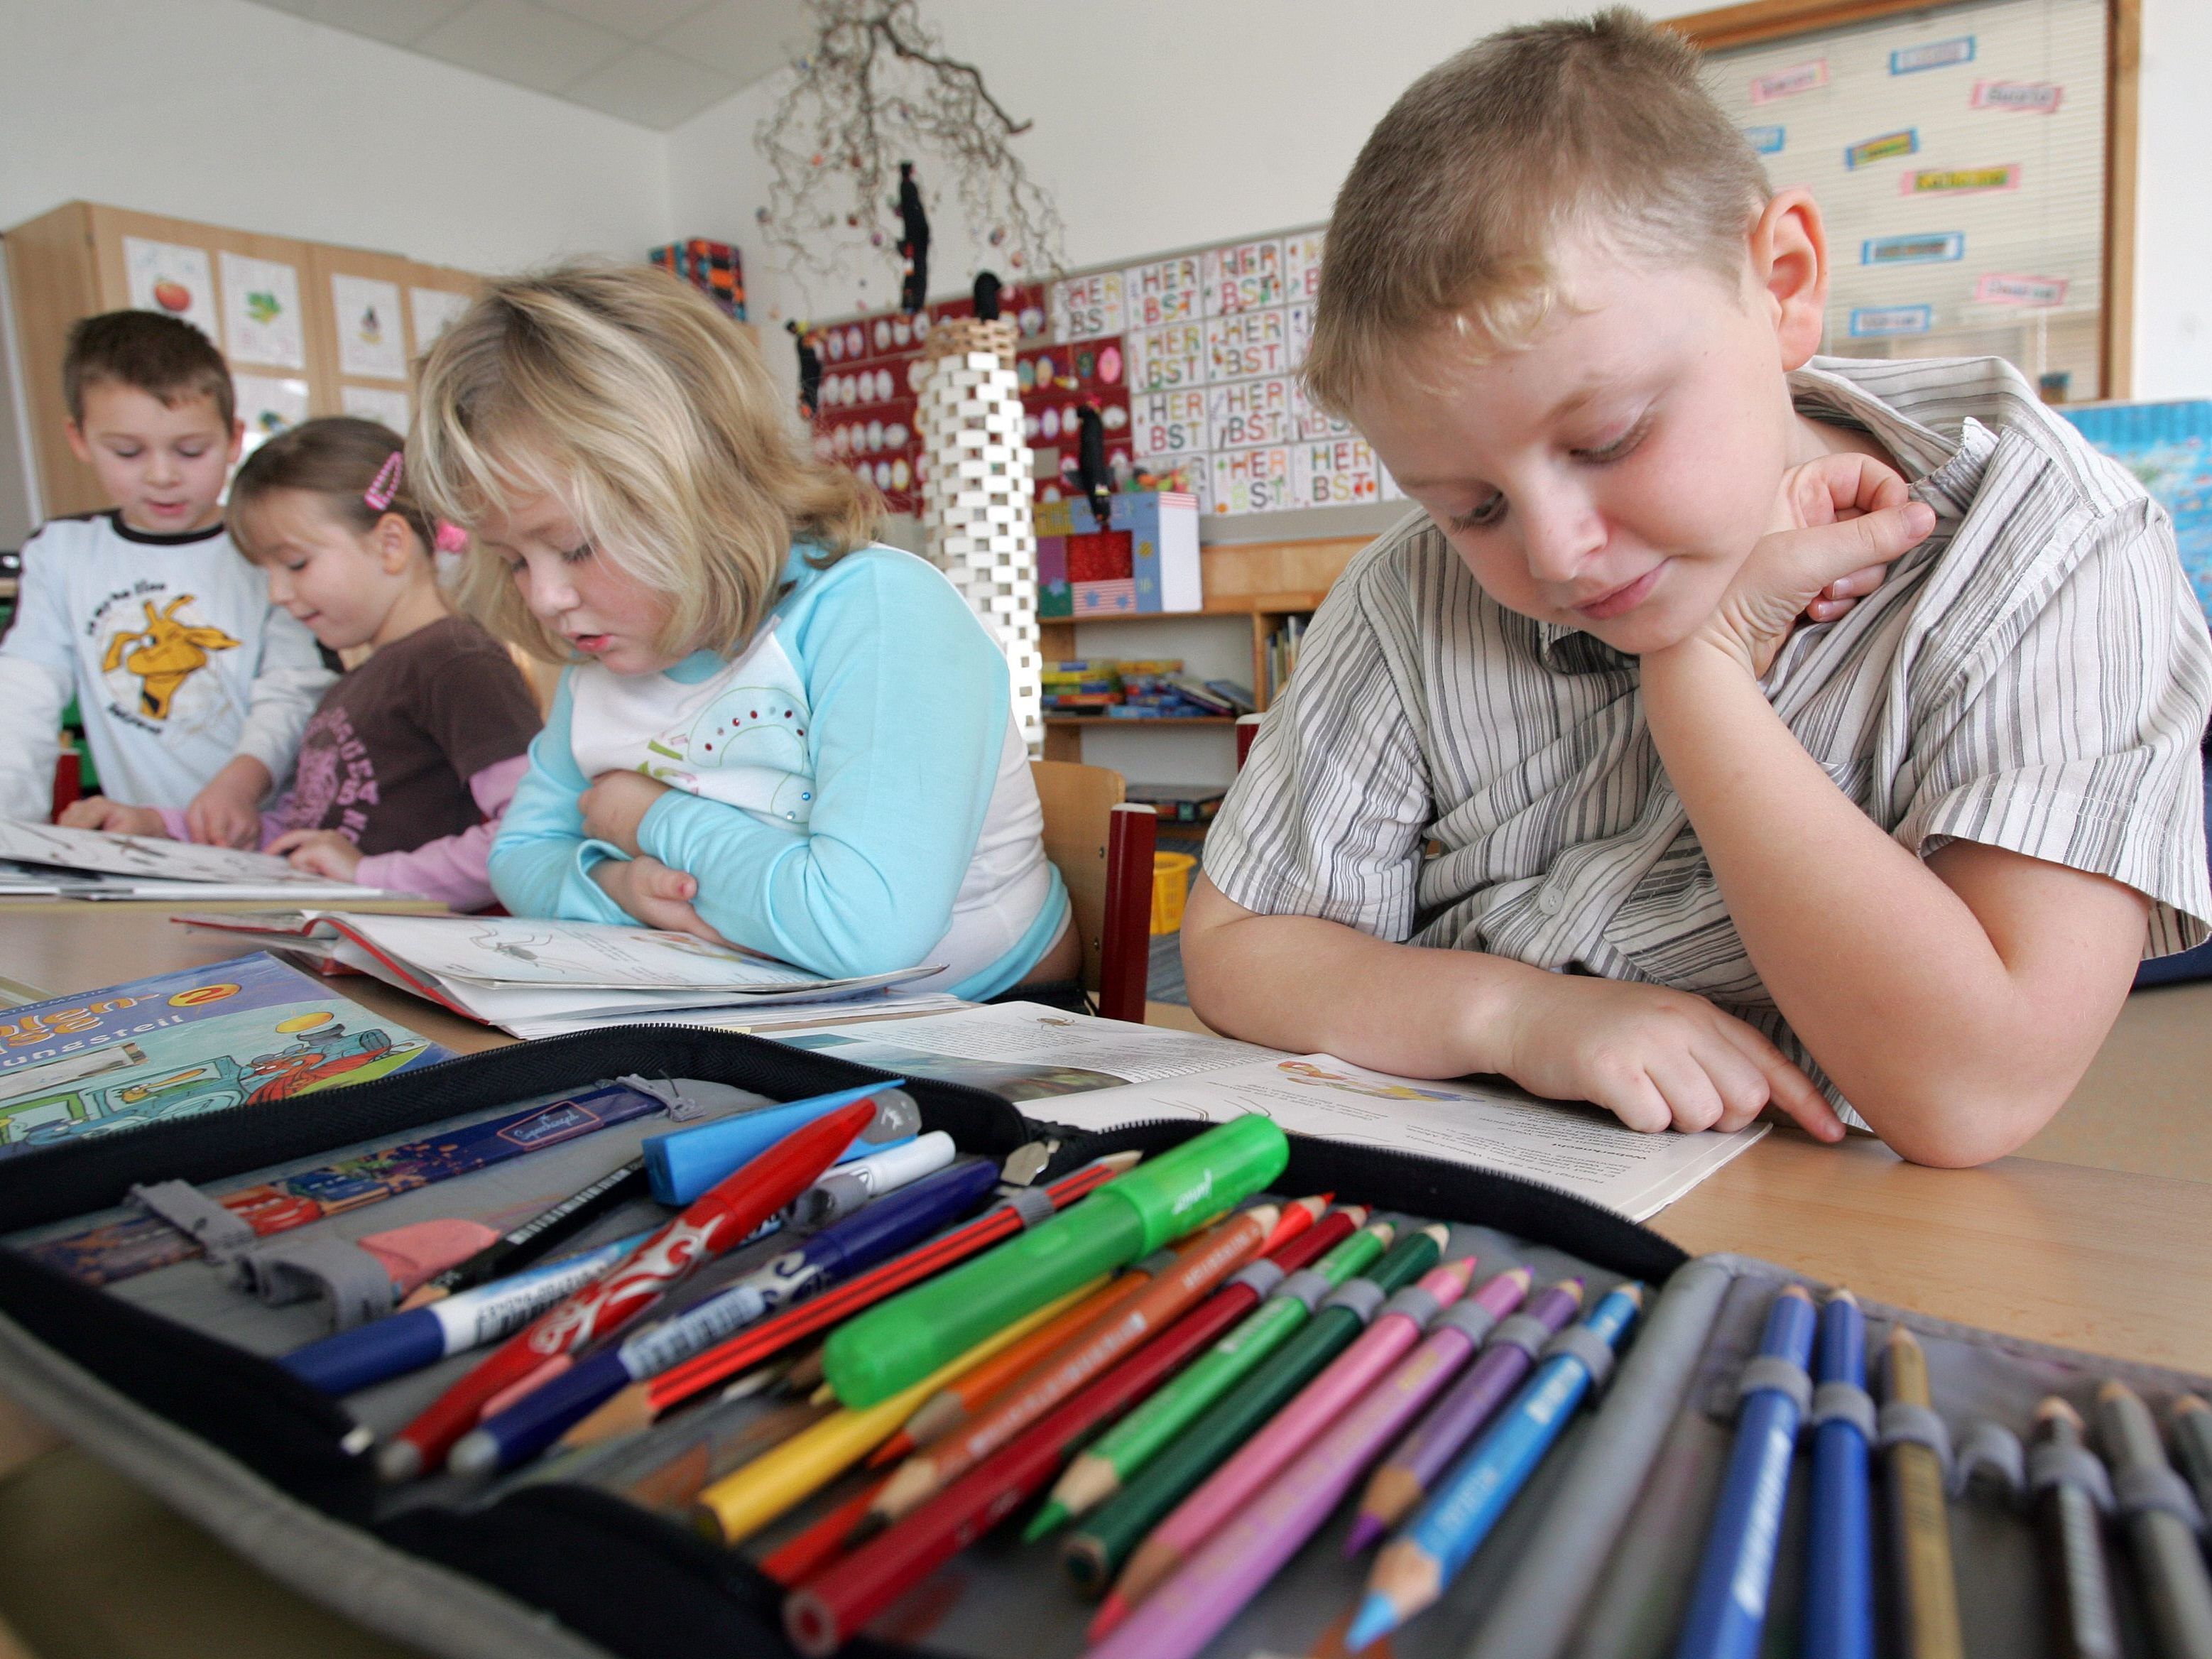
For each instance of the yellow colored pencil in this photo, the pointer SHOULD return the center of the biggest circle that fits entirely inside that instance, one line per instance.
(1928, 1592)
(740, 1503)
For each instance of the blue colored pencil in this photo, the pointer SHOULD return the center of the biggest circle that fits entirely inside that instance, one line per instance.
(1839, 1574)
(879, 1229)
(1728, 1608)
(1415, 1566)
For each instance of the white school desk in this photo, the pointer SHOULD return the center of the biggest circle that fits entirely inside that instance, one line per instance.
(2098, 1236)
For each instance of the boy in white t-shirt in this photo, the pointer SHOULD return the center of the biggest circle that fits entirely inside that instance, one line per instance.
(193, 688)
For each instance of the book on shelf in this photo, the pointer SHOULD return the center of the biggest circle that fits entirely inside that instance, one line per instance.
(1237, 696)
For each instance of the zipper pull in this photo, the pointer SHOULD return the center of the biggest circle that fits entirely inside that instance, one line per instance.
(1027, 1162)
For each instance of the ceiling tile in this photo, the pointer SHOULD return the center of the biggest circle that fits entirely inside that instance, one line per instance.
(517, 41)
(746, 39)
(397, 22)
(649, 87)
(634, 20)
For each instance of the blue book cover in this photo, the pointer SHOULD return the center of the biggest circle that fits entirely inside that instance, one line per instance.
(234, 1033)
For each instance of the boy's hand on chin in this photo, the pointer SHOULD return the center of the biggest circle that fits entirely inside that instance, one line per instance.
(1656, 1058)
(1838, 522)
(655, 895)
(615, 804)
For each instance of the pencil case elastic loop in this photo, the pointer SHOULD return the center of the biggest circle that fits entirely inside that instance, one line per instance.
(2152, 1486)
(220, 1232)
(1260, 1277)
(1362, 1295)
(1308, 1285)
(1580, 1342)
(1845, 1403)
(1033, 1204)
(1470, 1318)
(1417, 1304)
(1769, 1373)
(2051, 1464)
(1901, 1423)
(1991, 1455)
(1523, 1331)
(356, 1283)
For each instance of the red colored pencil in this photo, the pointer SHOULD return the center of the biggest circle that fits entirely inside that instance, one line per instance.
(800, 1557)
(637, 1407)
(719, 1218)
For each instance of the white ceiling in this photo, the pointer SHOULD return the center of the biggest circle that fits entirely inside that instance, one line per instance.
(656, 62)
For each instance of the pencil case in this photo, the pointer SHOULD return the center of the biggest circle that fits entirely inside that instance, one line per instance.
(169, 1377)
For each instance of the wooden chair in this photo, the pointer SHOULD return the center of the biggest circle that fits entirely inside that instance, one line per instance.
(1103, 846)
(69, 787)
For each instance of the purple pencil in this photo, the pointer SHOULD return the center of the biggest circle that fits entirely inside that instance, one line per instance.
(1190, 1607)
(1439, 1438)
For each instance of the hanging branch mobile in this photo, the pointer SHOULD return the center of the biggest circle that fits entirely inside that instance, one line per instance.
(874, 94)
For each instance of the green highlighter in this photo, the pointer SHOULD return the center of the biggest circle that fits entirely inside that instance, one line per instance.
(872, 1357)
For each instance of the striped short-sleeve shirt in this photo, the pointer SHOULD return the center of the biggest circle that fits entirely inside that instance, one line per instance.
(2036, 675)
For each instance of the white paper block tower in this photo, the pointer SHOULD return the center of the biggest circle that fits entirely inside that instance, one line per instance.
(976, 492)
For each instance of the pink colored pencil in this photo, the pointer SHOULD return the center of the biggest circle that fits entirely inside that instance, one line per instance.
(1232, 1566)
(1320, 1403)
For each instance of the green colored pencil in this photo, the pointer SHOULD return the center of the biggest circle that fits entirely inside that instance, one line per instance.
(1099, 1473)
(1094, 1554)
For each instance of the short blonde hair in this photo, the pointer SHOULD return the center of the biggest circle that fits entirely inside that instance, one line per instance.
(649, 413)
(1460, 195)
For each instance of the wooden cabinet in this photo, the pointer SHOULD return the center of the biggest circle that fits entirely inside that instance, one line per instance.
(308, 328)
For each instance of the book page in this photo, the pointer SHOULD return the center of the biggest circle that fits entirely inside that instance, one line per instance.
(1577, 1149)
(583, 955)
(151, 856)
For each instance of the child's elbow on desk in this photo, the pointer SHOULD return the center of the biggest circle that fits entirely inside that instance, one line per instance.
(1947, 1130)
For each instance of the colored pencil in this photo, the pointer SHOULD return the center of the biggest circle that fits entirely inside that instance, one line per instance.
(2169, 1563)
(1196, 1268)
(513, 1432)
(637, 1407)
(1919, 1525)
(1095, 1554)
(712, 1222)
(2069, 1530)
(1101, 1471)
(739, 1504)
(122, 1250)
(1728, 1603)
(2192, 1421)
(843, 1592)
(1200, 1597)
(1415, 1567)
(799, 1557)
(368, 1354)
(518, 1247)
(1840, 1563)
(1430, 1444)
(1298, 1214)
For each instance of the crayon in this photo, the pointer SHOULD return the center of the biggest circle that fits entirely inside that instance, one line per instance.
(1919, 1525)
(637, 1407)
(1415, 1567)
(2169, 1563)
(2069, 1531)
(1431, 1445)
(1839, 1560)
(715, 1222)
(517, 1248)
(1728, 1604)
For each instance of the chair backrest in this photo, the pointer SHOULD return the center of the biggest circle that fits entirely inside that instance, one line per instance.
(1078, 804)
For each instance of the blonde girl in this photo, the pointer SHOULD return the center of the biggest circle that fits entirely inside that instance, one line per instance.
(772, 731)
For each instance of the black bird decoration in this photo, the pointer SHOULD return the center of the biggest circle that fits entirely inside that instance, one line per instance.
(914, 241)
(1091, 470)
(809, 372)
(986, 296)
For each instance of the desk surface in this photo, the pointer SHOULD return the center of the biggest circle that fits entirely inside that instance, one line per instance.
(2100, 1238)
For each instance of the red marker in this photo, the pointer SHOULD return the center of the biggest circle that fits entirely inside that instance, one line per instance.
(718, 1219)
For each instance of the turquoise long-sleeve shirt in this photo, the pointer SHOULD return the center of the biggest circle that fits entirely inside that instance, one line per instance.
(849, 790)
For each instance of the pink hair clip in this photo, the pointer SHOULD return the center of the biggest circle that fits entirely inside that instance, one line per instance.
(386, 484)
(451, 537)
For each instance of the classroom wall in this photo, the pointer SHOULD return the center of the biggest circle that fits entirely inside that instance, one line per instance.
(237, 114)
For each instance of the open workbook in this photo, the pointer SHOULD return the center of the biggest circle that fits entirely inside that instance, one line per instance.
(1100, 1074)
(44, 860)
(496, 969)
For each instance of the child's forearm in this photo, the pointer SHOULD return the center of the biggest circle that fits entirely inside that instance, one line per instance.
(1303, 984)
(1885, 972)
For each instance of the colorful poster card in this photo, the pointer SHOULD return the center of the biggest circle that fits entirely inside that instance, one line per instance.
(1298, 327)
(1086, 308)
(1932, 55)
(1246, 413)
(2004, 288)
(1960, 181)
(1766, 140)
(1339, 473)
(261, 312)
(1887, 147)
(1172, 424)
(1919, 248)
(1253, 481)
(1885, 322)
(1789, 83)
(1310, 424)
(1302, 266)
(174, 279)
(2035, 97)
(1165, 291)
(267, 405)
(387, 408)
(1247, 343)
(1245, 276)
(370, 340)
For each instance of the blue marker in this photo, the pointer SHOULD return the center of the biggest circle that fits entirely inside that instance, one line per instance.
(1417, 1565)
(1727, 1609)
(684, 1163)
(879, 1230)
(1839, 1578)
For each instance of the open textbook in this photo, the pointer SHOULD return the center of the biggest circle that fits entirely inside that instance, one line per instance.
(44, 861)
(1099, 1075)
(498, 968)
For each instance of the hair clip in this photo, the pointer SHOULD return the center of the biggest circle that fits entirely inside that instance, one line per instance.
(451, 537)
(386, 484)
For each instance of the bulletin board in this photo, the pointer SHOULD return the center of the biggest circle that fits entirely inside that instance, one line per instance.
(1964, 157)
